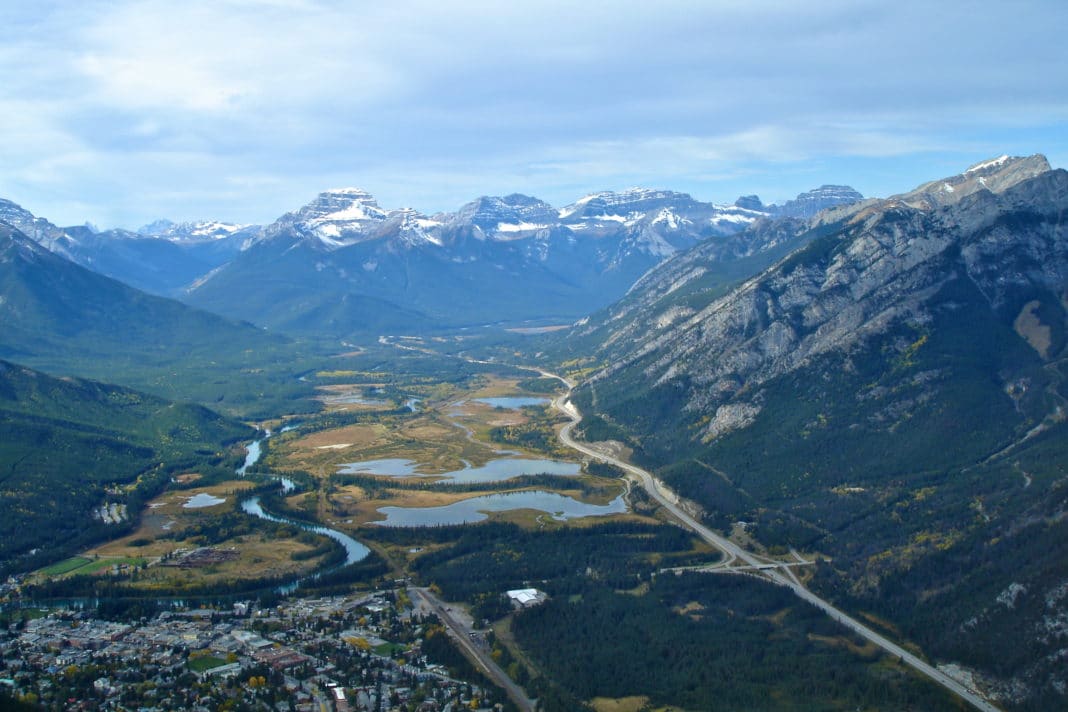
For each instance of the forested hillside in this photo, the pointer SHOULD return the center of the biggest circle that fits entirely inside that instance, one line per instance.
(890, 396)
(68, 446)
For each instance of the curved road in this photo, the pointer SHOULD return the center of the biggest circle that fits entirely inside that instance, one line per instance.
(669, 501)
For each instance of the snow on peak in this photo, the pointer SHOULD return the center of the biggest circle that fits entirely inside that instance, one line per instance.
(202, 230)
(348, 206)
(519, 227)
(356, 192)
(669, 217)
(993, 163)
(356, 211)
(215, 229)
(625, 205)
(412, 228)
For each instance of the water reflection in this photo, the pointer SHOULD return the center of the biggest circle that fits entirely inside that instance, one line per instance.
(493, 471)
(476, 509)
(512, 402)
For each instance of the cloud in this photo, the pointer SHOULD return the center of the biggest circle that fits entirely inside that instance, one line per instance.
(154, 108)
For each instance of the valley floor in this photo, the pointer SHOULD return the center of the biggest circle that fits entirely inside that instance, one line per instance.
(593, 532)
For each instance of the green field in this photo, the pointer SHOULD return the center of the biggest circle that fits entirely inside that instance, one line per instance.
(101, 564)
(22, 614)
(82, 565)
(203, 664)
(66, 566)
(390, 649)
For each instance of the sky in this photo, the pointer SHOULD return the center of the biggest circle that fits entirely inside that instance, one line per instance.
(118, 113)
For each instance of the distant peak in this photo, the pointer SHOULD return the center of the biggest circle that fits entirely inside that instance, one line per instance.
(749, 202)
(334, 203)
(157, 227)
(807, 204)
(355, 192)
(995, 175)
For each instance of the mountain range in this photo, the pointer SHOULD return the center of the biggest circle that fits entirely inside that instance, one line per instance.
(891, 393)
(881, 383)
(342, 265)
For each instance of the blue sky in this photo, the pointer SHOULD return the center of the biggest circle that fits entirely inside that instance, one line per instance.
(122, 112)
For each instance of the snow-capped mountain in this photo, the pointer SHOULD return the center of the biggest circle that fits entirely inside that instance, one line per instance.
(338, 217)
(37, 229)
(668, 220)
(495, 259)
(200, 231)
(161, 258)
(508, 218)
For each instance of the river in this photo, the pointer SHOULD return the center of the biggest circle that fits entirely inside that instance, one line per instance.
(354, 550)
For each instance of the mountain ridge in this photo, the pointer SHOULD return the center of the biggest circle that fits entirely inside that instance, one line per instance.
(64, 318)
(498, 259)
(342, 266)
(872, 398)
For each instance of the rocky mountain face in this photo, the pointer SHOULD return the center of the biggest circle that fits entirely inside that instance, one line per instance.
(28, 224)
(890, 393)
(825, 298)
(807, 204)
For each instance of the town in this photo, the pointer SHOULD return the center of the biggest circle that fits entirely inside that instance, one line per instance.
(369, 651)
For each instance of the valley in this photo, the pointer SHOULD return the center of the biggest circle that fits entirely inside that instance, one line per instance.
(817, 460)
(213, 552)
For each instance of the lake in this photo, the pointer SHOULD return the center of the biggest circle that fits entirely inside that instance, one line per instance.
(512, 402)
(202, 500)
(476, 509)
(504, 468)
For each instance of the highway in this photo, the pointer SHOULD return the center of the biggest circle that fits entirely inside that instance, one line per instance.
(479, 657)
(753, 564)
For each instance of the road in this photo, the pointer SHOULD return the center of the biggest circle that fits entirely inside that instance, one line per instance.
(733, 552)
(481, 658)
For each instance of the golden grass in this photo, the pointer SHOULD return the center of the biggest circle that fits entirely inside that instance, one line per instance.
(619, 704)
(691, 610)
(165, 514)
(1030, 328)
(881, 623)
(359, 436)
(257, 557)
(427, 429)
